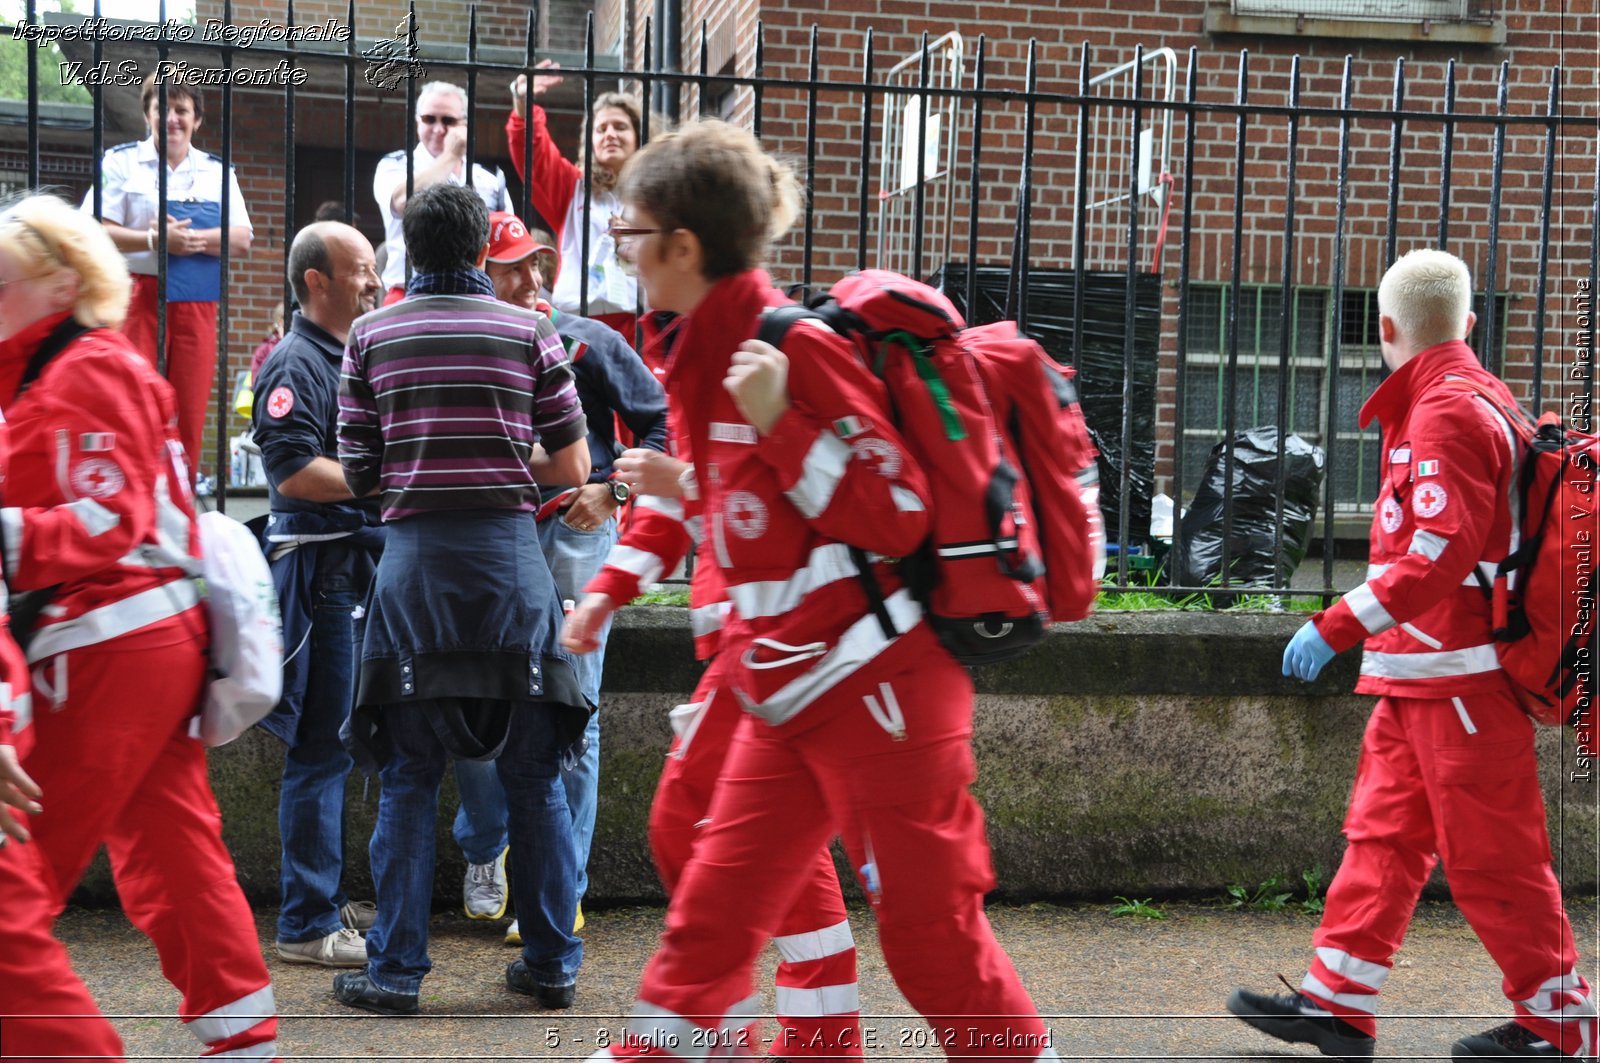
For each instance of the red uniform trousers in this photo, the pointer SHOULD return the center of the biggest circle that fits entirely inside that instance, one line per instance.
(36, 975)
(819, 1007)
(900, 805)
(191, 356)
(1456, 777)
(117, 766)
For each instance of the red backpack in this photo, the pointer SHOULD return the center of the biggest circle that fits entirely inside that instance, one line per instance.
(1017, 539)
(1543, 594)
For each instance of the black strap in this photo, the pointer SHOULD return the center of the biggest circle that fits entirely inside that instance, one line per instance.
(777, 321)
(53, 344)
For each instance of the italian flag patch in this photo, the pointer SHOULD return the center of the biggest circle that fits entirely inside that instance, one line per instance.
(849, 427)
(1427, 468)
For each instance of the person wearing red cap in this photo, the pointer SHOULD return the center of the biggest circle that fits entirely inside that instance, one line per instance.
(577, 528)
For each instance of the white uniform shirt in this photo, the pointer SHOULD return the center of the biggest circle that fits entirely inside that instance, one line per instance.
(130, 192)
(613, 285)
(391, 174)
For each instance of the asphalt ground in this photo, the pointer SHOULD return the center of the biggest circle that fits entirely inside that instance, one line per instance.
(1110, 987)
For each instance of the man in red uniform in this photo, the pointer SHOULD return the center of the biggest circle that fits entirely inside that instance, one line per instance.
(1447, 764)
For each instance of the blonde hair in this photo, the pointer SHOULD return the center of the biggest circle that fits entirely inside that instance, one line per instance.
(716, 181)
(1428, 293)
(44, 234)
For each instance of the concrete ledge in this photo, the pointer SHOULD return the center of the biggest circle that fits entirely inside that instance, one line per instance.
(1146, 753)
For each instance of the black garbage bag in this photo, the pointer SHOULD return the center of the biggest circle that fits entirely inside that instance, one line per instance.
(1252, 539)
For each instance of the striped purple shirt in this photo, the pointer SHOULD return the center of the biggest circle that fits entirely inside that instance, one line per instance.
(442, 399)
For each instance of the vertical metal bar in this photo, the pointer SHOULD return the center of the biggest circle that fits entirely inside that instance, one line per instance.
(1448, 137)
(472, 98)
(162, 181)
(1396, 131)
(588, 160)
(1130, 279)
(920, 197)
(864, 194)
(1338, 326)
(1182, 353)
(350, 118)
(288, 165)
(973, 180)
(1231, 343)
(644, 138)
(1017, 294)
(758, 93)
(411, 132)
(32, 16)
(701, 82)
(1286, 319)
(222, 465)
(99, 147)
(1489, 355)
(1080, 223)
(811, 158)
(527, 111)
(1547, 183)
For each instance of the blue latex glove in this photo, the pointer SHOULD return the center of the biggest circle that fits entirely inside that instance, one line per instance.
(1306, 653)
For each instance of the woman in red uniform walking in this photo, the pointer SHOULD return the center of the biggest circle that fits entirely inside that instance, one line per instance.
(849, 730)
(99, 525)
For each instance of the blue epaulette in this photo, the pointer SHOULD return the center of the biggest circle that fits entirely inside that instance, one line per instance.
(124, 147)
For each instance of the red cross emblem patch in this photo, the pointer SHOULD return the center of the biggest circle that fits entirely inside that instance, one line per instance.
(1430, 499)
(279, 403)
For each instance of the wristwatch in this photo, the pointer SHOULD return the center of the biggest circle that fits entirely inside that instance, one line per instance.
(620, 491)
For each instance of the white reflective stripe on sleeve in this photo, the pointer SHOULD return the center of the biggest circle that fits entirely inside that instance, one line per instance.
(1427, 544)
(11, 532)
(860, 643)
(117, 618)
(1461, 711)
(825, 463)
(671, 1033)
(759, 598)
(1314, 986)
(264, 1050)
(643, 565)
(1367, 609)
(1488, 568)
(816, 945)
(705, 619)
(905, 500)
(1372, 975)
(670, 507)
(95, 518)
(823, 1000)
(1471, 660)
(21, 706)
(230, 1020)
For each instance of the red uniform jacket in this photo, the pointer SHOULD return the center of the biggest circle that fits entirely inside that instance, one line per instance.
(97, 494)
(779, 512)
(1443, 508)
(16, 703)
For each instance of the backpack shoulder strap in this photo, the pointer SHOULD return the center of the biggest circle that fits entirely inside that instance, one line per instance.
(778, 320)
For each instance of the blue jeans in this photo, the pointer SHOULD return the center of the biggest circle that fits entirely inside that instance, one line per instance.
(480, 824)
(316, 770)
(544, 863)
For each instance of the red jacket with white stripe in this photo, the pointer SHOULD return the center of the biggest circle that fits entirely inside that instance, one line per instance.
(1443, 508)
(97, 495)
(779, 512)
(16, 702)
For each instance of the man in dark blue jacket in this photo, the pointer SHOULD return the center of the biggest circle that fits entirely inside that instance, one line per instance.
(577, 529)
(321, 543)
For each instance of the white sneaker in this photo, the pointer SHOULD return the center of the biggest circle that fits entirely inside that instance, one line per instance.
(342, 948)
(358, 915)
(484, 894)
(513, 934)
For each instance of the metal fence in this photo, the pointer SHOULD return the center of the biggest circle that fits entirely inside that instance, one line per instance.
(1165, 160)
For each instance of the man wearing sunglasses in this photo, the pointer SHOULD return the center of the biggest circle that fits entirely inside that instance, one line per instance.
(440, 156)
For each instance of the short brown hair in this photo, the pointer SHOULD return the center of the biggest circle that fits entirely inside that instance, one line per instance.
(715, 180)
(178, 84)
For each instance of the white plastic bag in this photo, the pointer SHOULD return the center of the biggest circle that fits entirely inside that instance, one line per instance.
(246, 630)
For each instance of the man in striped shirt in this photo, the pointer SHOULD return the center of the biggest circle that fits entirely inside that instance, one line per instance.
(457, 406)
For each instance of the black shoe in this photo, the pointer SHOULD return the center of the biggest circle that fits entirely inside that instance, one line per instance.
(356, 989)
(1508, 1041)
(1295, 1018)
(550, 997)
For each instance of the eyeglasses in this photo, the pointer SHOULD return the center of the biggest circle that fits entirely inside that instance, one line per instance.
(621, 230)
(448, 121)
